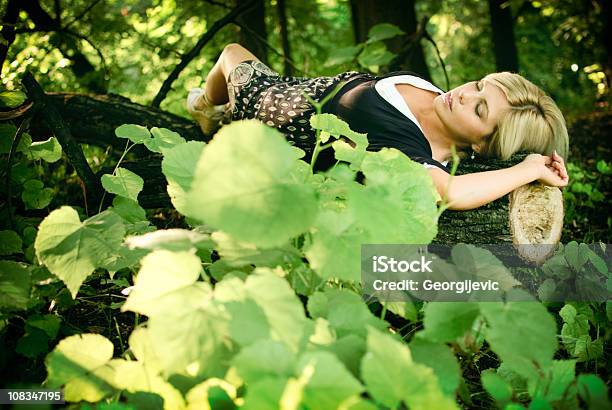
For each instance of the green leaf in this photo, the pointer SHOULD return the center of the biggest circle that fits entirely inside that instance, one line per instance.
(398, 204)
(445, 321)
(593, 391)
(471, 260)
(129, 210)
(262, 359)
(164, 281)
(329, 384)
(604, 167)
(392, 377)
(33, 343)
(35, 196)
(343, 55)
(7, 135)
(383, 31)
(375, 55)
(163, 139)
(10, 243)
(12, 99)
(441, 359)
(333, 125)
(179, 166)
(80, 364)
(49, 324)
(346, 312)
(521, 333)
(49, 150)
(212, 394)
(575, 256)
(496, 386)
(124, 183)
(71, 249)
(265, 394)
(237, 254)
(559, 379)
(14, 286)
(176, 240)
(276, 312)
(336, 246)
(350, 350)
(254, 202)
(135, 133)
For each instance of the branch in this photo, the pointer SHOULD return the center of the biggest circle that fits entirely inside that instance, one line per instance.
(193, 53)
(267, 44)
(82, 13)
(54, 121)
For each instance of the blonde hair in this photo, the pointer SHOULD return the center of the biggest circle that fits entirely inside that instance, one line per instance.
(534, 122)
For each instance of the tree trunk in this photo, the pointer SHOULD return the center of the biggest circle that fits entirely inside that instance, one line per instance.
(281, 8)
(402, 13)
(253, 33)
(532, 214)
(502, 29)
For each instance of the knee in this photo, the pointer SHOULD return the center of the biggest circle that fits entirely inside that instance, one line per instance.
(233, 49)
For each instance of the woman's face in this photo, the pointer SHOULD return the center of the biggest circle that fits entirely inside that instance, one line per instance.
(471, 112)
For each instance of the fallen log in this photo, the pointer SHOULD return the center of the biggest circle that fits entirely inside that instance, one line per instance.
(532, 214)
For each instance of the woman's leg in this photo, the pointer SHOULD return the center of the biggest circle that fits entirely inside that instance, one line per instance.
(216, 81)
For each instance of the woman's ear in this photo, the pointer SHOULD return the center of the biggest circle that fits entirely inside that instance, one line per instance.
(476, 148)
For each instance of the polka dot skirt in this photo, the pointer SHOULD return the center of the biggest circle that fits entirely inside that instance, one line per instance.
(256, 91)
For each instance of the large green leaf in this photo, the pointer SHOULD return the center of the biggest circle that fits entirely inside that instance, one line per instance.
(445, 321)
(14, 285)
(163, 139)
(135, 133)
(383, 31)
(522, 333)
(276, 313)
(398, 204)
(191, 337)
(49, 150)
(336, 246)
(346, 312)
(242, 187)
(35, 195)
(329, 382)
(392, 377)
(7, 135)
(237, 254)
(80, 364)
(72, 249)
(179, 166)
(10, 242)
(264, 358)
(441, 359)
(124, 183)
(165, 280)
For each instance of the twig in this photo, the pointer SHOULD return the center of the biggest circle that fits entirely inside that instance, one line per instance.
(218, 3)
(431, 40)
(15, 113)
(82, 13)
(84, 38)
(193, 53)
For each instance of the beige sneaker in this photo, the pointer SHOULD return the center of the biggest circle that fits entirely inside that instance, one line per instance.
(207, 115)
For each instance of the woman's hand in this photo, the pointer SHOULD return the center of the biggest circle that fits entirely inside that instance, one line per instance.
(550, 170)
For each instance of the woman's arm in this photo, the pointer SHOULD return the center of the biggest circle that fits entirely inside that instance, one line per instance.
(470, 191)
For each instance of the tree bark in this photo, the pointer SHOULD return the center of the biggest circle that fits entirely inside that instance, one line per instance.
(281, 8)
(93, 119)
(402, 13)
(254, 20)
(502, 29)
